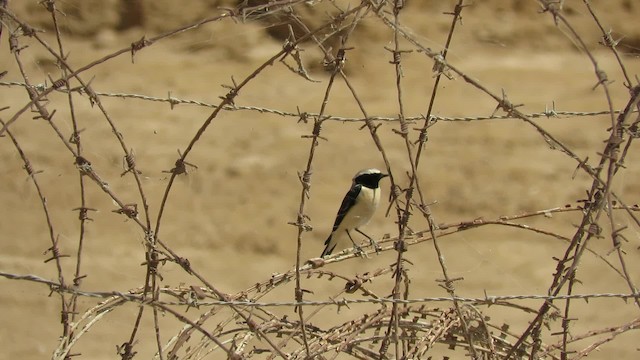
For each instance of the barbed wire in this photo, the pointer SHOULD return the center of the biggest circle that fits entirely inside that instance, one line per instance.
(487, 299)
(244, 332)
(173, 101)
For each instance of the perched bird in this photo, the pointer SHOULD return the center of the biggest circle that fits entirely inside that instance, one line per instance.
(356, 210)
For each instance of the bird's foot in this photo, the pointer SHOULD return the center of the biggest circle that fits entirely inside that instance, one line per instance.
(357, 249)
(375, 245)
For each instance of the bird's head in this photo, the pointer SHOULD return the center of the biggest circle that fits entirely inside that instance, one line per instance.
(369, 177)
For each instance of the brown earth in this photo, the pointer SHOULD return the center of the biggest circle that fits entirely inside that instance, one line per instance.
(229, 216)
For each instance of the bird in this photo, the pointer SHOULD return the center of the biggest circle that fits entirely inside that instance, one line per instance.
(357, 208)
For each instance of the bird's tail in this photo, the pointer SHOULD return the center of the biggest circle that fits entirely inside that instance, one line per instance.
(328, 246)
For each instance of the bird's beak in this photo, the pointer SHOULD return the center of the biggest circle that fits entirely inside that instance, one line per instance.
(383, 176)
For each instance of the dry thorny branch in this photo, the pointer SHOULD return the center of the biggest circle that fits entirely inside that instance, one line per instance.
(377, 325)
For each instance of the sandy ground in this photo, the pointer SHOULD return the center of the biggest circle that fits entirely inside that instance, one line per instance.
(230, 216)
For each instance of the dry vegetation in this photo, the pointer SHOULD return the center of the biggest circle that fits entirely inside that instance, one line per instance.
(508, 128)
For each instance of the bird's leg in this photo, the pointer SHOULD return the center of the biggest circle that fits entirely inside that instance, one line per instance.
(358, 250)
(373, 242)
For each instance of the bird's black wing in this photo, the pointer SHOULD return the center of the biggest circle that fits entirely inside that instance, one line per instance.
(348, 201)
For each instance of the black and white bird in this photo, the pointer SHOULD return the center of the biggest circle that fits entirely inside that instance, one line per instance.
(357, 208)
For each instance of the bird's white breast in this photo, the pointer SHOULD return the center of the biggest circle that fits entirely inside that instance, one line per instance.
(364, 208)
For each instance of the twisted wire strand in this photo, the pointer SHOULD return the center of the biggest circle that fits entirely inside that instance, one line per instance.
(487, 299)
(177, 101)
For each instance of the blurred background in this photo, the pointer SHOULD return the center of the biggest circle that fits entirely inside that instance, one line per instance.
(229, 215)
